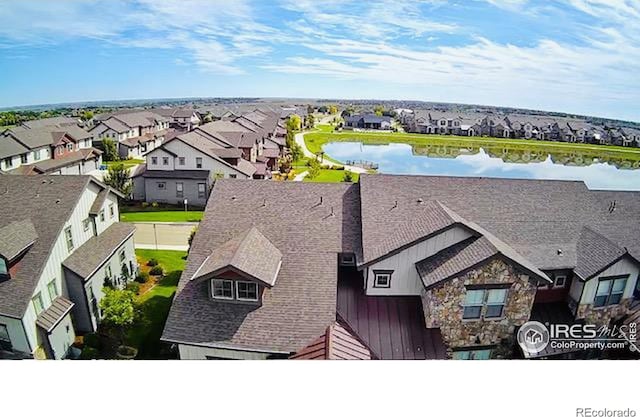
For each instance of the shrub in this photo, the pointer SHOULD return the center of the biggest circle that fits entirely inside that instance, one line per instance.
(145, 204)
(154, 204)
(156, 271)
(92, 340)
(142, 277)
(348, 177)
(89, 353)
(134, 287)
(152, 262)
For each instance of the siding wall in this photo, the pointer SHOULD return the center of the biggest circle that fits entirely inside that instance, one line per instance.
(16, 333)
(208, 164)
(405, 279)
(62, 337)
(168, 195)
(189, 352)
(622, 267)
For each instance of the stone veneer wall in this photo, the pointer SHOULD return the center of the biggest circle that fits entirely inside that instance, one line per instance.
(443, 308)
(603, 315)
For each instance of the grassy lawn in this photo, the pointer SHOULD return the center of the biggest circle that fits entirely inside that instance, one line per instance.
(128, 163)
(156, 303)
(324, 134)
(162, 216)
(331, 175)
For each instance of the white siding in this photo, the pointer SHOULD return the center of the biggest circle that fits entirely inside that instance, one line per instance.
(405, 279)
(190, 352)
(159, 154)
(208, 163)
(622, 267)
(575, 291)
(62, 337)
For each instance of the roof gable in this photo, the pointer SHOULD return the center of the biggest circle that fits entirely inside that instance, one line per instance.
(15, 237)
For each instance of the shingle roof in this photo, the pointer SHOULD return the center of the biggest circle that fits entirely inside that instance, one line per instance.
(15, 237)
(249, 253)
(48, 203)
(336, 343)
(84, 154)
(85, 260)
(51, 121)
(59, 308)
(116, 125)
(178, 173)
(595, 253)
(11, 147)
(302, 303)
(539, 219)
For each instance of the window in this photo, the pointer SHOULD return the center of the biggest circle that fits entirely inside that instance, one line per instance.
(102, 215)
(112, 211)
(122, 256)
(610, 291)
(69, 237)
(246, 291)
(222, 289)
(477, 354)
(86, 223)
(162, 185)
(382, 279)
(23, 158)
(559, 281)
(107, 272)
(154, 160)
(198, 162)
(491, 301)
(8, 162)
(181, 160)
(201, 190)
(69, 147)
(38, 305)
(53, 290)
(165, 160)
(233, 175)
(5, 341)
(3, 267)
(36, 155)
(179, 189)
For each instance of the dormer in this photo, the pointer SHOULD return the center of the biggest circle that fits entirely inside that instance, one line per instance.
(241, 269)
(15, 239)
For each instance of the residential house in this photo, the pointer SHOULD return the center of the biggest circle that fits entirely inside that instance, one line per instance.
(51, 149)
(60, 240)
(368, 121)
(180, 118)
(135, 132)
(401, 267)
(631, 137)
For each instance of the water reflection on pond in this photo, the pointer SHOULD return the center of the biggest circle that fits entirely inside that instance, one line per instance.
(602, 171)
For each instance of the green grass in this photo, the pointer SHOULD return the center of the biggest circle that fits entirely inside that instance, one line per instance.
(128, 163)
(156, 302)
(331, 175)
(617, 154)
(162, 216)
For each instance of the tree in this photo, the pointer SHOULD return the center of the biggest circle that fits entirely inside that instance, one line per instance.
(311, 121)
(378, 110)
(314, 168)
(296, 151)
(294, 123)
(348, 176)
(119, 309)
(86, 115)
(284, 163)
(333, 109)
(118, 178)
(110, 150)
(310, 109)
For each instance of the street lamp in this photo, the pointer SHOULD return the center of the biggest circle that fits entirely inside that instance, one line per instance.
(185, 204)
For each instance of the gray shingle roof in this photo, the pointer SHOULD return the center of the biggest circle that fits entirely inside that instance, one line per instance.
(51, 121)
(194, 174)
(11, 147)
(49, 319)
(302, 303)
(89, 257)
(46, 201)
(595, 253)
(539, 219)
(250, 253)
(15, 237)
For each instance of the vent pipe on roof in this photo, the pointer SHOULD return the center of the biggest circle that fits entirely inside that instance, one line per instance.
(332, 213)
(612, 206)
(420, 201)
(395, 205)
(321, 199)
(264, 202)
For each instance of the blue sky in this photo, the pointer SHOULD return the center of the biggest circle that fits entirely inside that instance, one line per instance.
(580, 56)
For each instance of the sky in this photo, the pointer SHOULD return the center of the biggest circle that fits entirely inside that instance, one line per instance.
(577, 56)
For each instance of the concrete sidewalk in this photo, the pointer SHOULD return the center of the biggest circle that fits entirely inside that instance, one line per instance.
(300, 141)
(163, 236)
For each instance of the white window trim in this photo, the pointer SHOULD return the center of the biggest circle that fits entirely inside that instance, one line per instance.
(564, 281)
(377, 274)
(53, 281)
(247, 299)
(213, 294)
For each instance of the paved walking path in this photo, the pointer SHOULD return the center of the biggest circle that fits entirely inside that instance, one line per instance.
(300, 141)
(163, 236)
(300, 177)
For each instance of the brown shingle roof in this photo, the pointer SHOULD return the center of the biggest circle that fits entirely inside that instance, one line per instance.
(595, 253)
(302, 303)
(249, 253)
(15, 237)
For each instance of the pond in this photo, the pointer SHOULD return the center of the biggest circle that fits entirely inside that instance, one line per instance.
(597, 171)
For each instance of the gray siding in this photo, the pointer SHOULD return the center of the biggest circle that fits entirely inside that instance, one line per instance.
(169, 195)
(190, 352)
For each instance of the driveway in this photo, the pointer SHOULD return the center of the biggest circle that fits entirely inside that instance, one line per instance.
(163, 236)
(307, 153)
